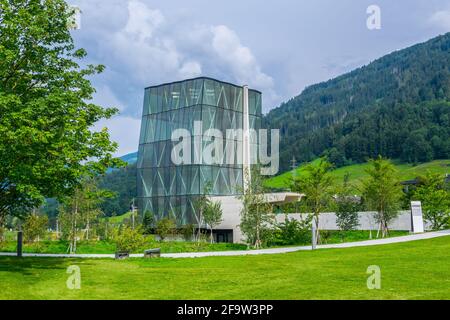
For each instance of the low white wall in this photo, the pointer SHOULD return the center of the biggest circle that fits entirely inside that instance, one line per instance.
(366, 221)
(231, 207)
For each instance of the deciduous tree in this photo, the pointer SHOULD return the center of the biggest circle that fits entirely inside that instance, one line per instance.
(213, 216)
(435, 197)
(256, 214)
(382, 192)
(35, 227)
(347, 207)
(317, 185)
(46, 139)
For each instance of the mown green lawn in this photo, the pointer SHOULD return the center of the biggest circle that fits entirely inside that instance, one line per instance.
(357, 173)
(414, 270)
(108, 247)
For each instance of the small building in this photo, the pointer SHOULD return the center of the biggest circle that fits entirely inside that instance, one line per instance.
(229, 230)
(194, 107)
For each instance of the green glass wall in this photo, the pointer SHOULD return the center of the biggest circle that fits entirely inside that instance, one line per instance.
(167, 190)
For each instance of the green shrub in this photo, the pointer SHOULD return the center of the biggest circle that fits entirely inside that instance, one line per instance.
(128, 240)
(292, 232)
(188, 232)
(2, 234)
(35, 227)
(165, 227)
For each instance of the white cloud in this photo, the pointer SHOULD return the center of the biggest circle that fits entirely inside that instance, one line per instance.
(142, 20)
(240, 59)
(190, 69)
(149, 47)
(143, 46)
(441, 19)
(105, 97)
(124, 130)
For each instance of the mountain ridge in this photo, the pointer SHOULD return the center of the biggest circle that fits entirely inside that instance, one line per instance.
(354, 116)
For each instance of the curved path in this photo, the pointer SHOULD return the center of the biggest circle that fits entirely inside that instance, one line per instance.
(415, 237)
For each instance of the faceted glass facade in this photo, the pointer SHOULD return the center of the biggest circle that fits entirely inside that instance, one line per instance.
(167, 190)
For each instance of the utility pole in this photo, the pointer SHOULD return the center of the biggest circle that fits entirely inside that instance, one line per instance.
(313, 230)
(133, 210)
(19, 242)
(294, 167)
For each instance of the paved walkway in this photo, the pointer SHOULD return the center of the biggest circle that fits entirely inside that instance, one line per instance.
(423, 236)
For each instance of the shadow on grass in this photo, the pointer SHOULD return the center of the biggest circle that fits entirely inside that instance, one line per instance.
(25, 265)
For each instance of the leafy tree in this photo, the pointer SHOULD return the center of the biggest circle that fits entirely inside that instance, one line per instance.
(347, 207)
(79, 210)
(382, 192)
(213, 216)
(148, 222)
(2, 234)
(128, 240)
(356, 116)
(105, 229)
(201, 204)
(256, 214)
(292, 231)
(91, 199)
(336, 157)
(123, 183)
(165, 227)
(46, 142)
(188, 231)
(317, 185)
(35, 227)
(435, 197)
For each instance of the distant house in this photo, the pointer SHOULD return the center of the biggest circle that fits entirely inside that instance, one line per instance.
(415, 182)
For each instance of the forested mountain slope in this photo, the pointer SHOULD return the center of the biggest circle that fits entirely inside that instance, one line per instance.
(397, 106)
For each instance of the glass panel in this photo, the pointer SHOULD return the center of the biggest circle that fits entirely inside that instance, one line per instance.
(153, 101)
(209, 92)
(176, 95)
(159, 99)
(252, 102)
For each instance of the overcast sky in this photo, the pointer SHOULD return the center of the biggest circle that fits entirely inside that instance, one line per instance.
(275, 46)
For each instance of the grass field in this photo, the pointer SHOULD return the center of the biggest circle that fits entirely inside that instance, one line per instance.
(108, 247)
(414, 270)
(357, 173)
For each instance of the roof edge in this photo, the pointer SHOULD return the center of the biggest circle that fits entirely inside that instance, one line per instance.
(200, 78)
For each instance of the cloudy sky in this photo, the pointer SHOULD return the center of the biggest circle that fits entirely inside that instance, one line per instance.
(275, 46)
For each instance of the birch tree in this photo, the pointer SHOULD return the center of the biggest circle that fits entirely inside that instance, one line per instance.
(382, 192)
(318, 186)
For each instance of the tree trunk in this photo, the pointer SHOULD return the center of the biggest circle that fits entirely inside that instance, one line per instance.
(212, 238)
(87, 230)
(74, 229)
(318, 239)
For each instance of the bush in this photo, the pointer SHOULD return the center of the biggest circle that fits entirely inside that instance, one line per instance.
(292, 232)
(148, 222)
(165, 227)
(35, 227)
(188, 232)
(2, 234)
(128, 240)
(347, 217)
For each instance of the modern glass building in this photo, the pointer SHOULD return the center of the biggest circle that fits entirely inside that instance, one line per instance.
(169, 190)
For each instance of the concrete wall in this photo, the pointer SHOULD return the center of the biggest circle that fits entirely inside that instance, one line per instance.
(232, 207)
(366, 219)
